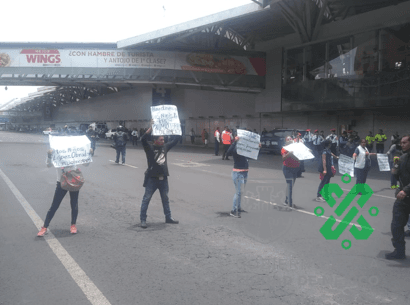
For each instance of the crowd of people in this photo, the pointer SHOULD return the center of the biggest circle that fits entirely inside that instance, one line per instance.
(325, 149)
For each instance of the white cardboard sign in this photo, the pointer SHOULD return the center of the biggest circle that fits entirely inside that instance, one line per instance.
(248, 144)
(166, 120)
(300, 151)
(70, 150)
(383, 161)
(346, 165)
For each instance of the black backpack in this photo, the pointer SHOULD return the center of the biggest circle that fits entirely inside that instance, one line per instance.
(120, 140)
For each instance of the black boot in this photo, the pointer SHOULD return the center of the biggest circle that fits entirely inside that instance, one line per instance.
(396, 255)
(171, 220)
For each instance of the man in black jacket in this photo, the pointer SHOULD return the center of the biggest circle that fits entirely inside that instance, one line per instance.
(120, 139)
(401, 208)
(156, 176)
(92, 136)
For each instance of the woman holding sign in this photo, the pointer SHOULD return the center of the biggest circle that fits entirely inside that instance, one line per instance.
(290, 169)
(60, 192)
(362, 165)
(239, 177)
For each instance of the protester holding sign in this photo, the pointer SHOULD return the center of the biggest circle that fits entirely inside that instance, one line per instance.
(156, 176)
(249, 144)
(73, 187)
(166, 120)
(290, 170)
(239, 176)
(362, 166)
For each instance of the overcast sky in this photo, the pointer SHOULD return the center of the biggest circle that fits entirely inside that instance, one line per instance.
(94, 21)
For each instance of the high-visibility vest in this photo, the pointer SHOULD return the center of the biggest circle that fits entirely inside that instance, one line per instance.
(215, 133)
(226, 137)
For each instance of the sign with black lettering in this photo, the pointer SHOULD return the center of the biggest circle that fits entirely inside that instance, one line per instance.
(248, 144)
(346, 165)
(68, 151)
(383, 161)
(166, 120)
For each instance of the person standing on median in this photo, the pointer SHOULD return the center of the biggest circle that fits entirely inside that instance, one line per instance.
(156, 176)
(239, 177)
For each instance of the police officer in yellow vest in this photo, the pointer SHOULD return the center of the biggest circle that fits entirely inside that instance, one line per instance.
(380, 139)
(369, 141)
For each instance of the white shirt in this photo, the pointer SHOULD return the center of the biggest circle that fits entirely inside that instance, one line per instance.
(217, 135)
(333, 138)
(361, 157)
(317, 139)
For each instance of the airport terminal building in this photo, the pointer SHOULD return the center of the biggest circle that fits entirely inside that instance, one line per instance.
(297, 64)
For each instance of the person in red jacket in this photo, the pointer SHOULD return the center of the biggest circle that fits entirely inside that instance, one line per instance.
(290, 170)
(226, 141)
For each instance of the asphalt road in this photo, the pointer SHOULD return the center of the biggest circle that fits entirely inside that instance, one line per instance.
(271, 255)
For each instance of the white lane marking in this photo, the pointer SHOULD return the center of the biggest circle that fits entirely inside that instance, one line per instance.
(124, 164)
(267, 181)
(190, 164)
(93, 294)
(377, 195)
(306, 212)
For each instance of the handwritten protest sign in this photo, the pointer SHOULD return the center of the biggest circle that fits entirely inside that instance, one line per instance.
(383, 161)
(248, 144)
(300, 151)
(68, 151)
(346, 165)
(166, 120)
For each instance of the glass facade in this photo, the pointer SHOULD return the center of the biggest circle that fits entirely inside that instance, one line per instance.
(367, 70)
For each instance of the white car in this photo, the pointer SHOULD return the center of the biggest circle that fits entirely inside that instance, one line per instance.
(110, 134)
(48, 132)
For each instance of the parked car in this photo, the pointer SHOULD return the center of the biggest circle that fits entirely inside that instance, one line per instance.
(49, 131)
(110, 133)
(273, 141)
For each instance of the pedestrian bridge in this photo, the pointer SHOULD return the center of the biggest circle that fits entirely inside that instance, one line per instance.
(91, 64)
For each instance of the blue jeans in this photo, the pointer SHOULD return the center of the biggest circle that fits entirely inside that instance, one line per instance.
(122, 151)
(216, 147)
(361, 175)
(238, 178)
(290, 176)
(58, 197)
(326, 180)
(152, 185)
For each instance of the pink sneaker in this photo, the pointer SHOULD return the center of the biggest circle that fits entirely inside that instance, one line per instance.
(42, 232)
(73, 229)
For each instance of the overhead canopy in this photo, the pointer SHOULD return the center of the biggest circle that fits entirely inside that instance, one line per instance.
(239, 29)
